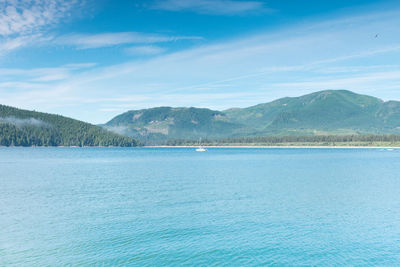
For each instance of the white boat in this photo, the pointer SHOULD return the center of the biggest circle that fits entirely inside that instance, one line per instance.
(201, 148)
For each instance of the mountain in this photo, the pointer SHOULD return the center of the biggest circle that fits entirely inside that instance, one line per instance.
(29, 128)
(165, 122)
(319, 113)
(332, 111)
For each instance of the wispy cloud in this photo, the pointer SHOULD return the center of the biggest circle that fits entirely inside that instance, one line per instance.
(364, 81)
(144, 50)
(42, 74)
(214, 7)
(22, 22)
(86, 41)
(8, 44)
(23, 17)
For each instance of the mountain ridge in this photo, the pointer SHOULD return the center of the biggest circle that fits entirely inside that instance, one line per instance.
(322, 112)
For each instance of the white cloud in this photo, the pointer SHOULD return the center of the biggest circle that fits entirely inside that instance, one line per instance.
(145, 50)
(29, 16)
(23, 22)
(357, 69)
(43, 74)
(365, 81)
(215, 7)
(85, 41)
(79, 65)
(51, 77)
(8, 44)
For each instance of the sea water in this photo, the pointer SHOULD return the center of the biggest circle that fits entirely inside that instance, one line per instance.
(176, 206)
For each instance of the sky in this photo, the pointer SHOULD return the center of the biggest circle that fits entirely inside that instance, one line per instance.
(94, 59)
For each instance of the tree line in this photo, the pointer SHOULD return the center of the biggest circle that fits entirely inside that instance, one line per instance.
(271, 140)
(11, 135)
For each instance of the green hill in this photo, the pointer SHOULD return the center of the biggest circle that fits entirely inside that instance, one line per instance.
(334, 112)
(29, 128)
(165, 122)
(320, 113)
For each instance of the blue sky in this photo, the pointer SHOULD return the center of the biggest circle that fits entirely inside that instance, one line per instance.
(94, 59)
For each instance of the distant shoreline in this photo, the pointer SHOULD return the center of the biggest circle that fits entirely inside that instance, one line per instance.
(351, 147)
(205, 146)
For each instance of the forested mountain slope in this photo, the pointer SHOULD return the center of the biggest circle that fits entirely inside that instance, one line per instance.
(165, 122)
(29, 128)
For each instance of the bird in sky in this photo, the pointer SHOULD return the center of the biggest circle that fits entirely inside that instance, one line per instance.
(376, 35)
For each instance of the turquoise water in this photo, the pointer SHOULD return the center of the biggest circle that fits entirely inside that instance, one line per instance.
(233, 207)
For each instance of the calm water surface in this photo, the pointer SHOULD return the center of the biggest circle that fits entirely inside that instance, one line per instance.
(233, 207)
